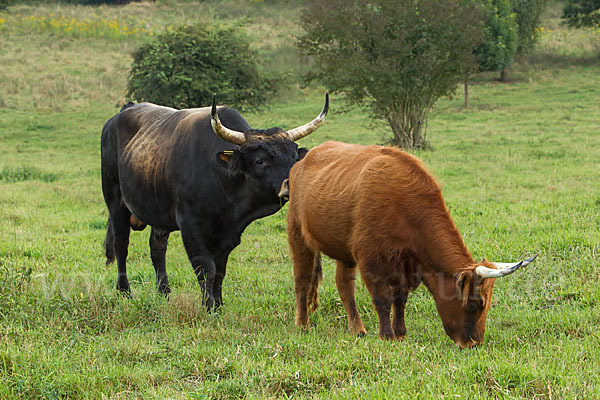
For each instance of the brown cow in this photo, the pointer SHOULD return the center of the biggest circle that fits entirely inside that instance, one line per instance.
(378, 209)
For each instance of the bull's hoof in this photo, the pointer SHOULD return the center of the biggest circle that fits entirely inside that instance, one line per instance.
(124, 292)
(123, 287)
(164, 290)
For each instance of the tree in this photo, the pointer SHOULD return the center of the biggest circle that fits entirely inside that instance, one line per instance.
(500, 40)
(580, 13)
(528, 14)
(396, 57)
(185, 67)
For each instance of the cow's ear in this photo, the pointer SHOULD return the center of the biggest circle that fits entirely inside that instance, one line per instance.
(463, 284)
(302, 152)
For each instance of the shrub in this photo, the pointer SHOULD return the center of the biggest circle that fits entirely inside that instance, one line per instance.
(528, 14)
(4, 4)
(500, 38)
(183, 68)
(579, 13)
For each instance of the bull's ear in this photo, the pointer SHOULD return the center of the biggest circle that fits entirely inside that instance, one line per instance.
(231, 159)
(225, 156)
(302, 152)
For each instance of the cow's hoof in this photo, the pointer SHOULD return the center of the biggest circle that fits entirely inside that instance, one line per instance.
(387, 335)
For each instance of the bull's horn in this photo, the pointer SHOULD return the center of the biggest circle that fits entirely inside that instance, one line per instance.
(225, 133)
(503, 268)
(304, 130)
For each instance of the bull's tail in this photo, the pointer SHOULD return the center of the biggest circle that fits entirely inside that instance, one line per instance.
(109, 243)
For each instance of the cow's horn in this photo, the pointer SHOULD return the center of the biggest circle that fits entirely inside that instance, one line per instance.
(304, 130)
(503, 269)
(225, 133)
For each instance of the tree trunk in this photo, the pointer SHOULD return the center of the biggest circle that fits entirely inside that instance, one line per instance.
(504, 76)
(408, 129)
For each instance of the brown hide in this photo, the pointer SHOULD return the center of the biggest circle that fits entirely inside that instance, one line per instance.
(377, 209)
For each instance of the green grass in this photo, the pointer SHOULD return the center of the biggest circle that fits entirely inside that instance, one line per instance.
(520, 172)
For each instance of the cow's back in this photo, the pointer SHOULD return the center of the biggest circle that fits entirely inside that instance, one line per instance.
(350, 199)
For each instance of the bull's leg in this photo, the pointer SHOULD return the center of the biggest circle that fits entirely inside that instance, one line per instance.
(117, 231)
(221, 267)
(158, 247)
(304, 272)
(119, 219)
(202, 261)
(375, 280)
(345, 277)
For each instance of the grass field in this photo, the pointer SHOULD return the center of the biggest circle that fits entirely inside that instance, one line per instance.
(521, 175)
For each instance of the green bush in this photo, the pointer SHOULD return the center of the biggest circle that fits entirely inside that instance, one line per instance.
(4, 4)
(500, 38)
(528, 13)
(578, 13)
(183, 68)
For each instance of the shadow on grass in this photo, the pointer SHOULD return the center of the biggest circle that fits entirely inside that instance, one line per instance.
(549, 60)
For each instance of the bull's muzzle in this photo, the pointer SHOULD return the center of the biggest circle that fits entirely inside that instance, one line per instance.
(284, 192)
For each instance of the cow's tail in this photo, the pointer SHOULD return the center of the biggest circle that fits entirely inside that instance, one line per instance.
(126, 106)
(313, 293)
(109, 243)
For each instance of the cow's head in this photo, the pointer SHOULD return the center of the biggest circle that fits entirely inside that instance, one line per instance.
(463, 300)
(265, 156)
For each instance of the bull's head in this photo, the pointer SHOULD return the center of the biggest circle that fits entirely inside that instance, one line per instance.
(266, 156)
(463, 300)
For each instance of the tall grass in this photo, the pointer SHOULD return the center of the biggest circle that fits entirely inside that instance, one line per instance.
(519, 172)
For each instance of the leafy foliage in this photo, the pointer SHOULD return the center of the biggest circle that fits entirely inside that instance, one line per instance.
(4, 4)
(185, 67)
(500, 37)
(579, 13)
(397, 57)
(528, 14)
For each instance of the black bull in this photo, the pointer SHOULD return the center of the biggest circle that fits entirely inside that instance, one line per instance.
(186, 170)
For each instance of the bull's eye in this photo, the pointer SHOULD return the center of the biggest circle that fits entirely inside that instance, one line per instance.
(259, 162)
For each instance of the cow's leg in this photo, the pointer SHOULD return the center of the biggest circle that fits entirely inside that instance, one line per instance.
(221, 267)
(400, 294)
(202, 261)
(158, 247)
(345, 277)
(375, 278)
(304, 274)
